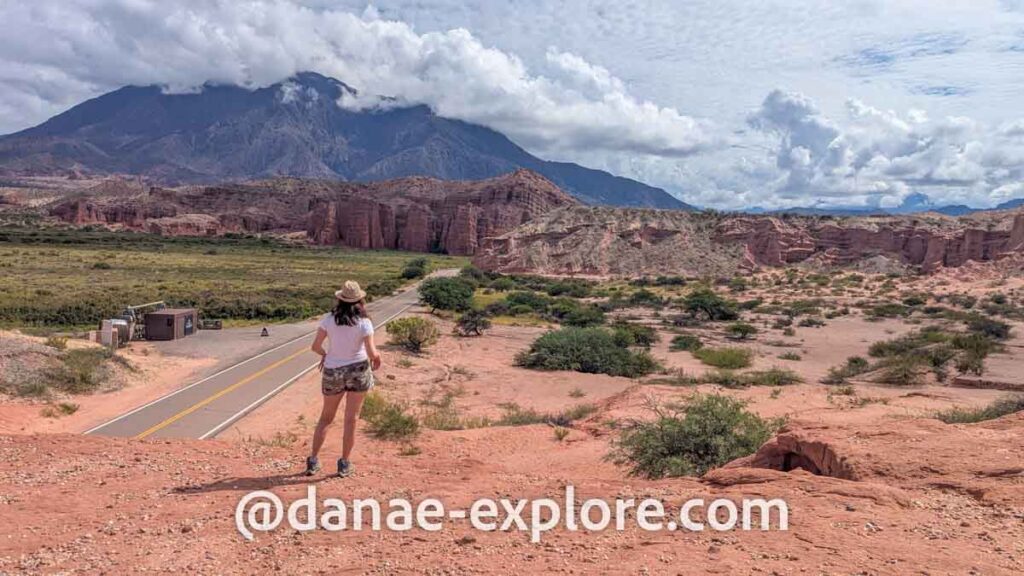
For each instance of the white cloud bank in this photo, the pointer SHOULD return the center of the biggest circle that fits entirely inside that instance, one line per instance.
(877, 157)
(621, 97)
(55, 52)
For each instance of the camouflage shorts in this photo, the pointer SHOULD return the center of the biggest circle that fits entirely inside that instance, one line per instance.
(356, 377)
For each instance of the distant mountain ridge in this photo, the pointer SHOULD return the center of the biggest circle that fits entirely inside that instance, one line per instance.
(916, 203)
(293, 128)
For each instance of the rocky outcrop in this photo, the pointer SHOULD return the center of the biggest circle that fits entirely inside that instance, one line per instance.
(629, 242)
(926, 242)
(416, 214)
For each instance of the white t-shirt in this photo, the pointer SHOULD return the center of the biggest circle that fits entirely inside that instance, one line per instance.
(345, 344)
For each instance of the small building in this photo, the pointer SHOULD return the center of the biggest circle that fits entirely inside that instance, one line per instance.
(171, 323)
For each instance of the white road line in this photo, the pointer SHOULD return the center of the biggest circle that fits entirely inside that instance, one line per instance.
(180, 390)
(244, 411)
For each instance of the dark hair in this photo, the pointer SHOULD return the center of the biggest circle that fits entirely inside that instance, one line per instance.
(348, 313)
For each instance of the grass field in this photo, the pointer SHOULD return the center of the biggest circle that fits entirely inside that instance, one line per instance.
(71, 279)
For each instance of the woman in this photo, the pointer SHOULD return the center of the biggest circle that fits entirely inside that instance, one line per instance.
(347, 366)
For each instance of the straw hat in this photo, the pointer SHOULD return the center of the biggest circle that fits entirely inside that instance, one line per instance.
(350, 292)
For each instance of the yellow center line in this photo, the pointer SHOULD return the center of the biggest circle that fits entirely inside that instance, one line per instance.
(206, 401)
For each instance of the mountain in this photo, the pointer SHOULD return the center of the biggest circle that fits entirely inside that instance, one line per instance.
(916, 203)
(293, 128)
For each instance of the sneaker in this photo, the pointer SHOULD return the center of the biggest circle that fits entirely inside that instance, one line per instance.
(312, 465)
(344, 467)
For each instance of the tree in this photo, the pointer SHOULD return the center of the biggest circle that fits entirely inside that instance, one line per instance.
(447, 294)
(705, 302)
(473, 323)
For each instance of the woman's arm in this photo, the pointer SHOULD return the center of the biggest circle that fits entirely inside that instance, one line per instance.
(318, 347)
(371, 352)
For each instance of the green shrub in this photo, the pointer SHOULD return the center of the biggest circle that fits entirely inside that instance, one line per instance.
(685, 342)
(391, 421)
(690, 439)
(415, 268)
(447, 294)
(630, 334)
(381, 288)
(645, 298)
(811, 323)
(792, 356)
(854, 366)
(705, 303)
(740, 330)
(990, 327)
(473, 323)
(81, 371)
(770, 377)
(415, 334)
(503, 284)
(57, 342)
(906, 370)
(531, 300)
(588, 350)
(730, 358)
(997, 409)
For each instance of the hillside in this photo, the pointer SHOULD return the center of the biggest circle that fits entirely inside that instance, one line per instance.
(293, 128)
(633, 242)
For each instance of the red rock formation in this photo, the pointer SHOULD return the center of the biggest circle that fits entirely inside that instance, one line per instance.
(418, 214)
(629, 242)
(769, 241)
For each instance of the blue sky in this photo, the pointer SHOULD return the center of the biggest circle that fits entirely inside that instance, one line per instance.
(724, 103)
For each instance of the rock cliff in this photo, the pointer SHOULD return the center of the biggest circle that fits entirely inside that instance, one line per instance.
(629, 242)
(417, 214)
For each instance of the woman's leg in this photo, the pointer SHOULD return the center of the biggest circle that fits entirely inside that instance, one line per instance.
(326, 419)
(352, 407)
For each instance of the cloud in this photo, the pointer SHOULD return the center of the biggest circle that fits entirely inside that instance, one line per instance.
(877, 157)
(97, 46)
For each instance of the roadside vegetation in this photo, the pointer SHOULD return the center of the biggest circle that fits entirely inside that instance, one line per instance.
(63, 279)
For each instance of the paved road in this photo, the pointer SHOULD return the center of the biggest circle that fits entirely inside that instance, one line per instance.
(206, 407)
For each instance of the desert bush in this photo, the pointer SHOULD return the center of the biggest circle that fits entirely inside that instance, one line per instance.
(447, 294)
(503, 284)
(704, 302)
(414, 334)
(571, 313)
(729, 358)
(380, 288)
(963, 300)
(80, 371)
(690, 439)
(769, 377)
(793, 356)
(904, 370)
(740, 330)
(854, 366)
(415, 268)
(989, 327)
(810, 322)
(685, 342)
(530, 300)
(57, 342)
(889, 310)
(630, 334)
(588, 350)
(515, 415)
(996, 409)
(392, 420)
(472, 323)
